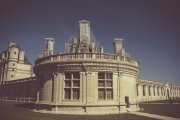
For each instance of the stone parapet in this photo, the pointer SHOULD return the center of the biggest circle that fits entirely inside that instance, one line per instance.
(96, 57)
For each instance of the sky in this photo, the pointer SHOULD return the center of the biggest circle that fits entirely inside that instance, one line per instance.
(150, 29)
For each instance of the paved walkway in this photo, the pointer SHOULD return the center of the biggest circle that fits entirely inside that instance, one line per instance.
(154, 116)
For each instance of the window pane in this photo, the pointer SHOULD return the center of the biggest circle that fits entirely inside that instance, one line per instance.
(100, 75)
(108, 75)
(108, 83)
(76, 75)
(68, 83)
(101, 84)
(109, 93)
(67, 75)
(75, 93)
(75, 83)
(101, 94)
(67, 93)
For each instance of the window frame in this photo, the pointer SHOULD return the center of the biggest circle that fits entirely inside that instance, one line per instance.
(105, 87)
(71, 88)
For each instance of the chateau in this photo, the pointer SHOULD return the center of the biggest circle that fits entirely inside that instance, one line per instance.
(83, 80)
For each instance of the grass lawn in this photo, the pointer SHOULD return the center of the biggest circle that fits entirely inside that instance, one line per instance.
(20, 111)
(171, 110)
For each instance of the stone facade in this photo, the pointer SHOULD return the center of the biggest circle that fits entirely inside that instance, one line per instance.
(148, 90)
(14, 64)
(84, 79)
(16, 75)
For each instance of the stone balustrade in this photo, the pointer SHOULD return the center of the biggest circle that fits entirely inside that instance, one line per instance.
(99, 57)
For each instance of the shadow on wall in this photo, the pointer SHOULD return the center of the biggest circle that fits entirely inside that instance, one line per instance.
(26, 105)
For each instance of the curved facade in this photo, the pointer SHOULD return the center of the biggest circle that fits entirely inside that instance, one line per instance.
(85, 80)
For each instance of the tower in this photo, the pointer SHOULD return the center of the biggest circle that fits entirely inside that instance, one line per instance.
(117, 45)
(84, 32)
(49, 46)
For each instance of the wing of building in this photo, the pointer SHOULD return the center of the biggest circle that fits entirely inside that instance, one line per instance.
(83, 80)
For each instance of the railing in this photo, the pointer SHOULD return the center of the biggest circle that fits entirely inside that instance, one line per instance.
(86, 56)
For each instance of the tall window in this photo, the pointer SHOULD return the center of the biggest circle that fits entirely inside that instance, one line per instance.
(154, 90)
(105, 88)
(162, 91)
(144, 90)
(137, 90)
(72, 86)
(149, 90)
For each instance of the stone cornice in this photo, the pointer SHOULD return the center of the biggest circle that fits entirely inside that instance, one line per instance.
(89, 66)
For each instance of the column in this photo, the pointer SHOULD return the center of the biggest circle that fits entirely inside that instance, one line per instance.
(61, 84)
(88, 87)
(60, 87)
(38, 89)
(55, 87)
(83, 87)
(121, 95)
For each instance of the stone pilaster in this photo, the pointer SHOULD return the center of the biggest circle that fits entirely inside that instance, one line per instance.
(121, 95)
(88, 87)
(55, 87)
(83, 87)
(116, 89)
(60, 87)
(61, 83)
(38, 88)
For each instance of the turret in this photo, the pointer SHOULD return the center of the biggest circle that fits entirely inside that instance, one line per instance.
(14, 52)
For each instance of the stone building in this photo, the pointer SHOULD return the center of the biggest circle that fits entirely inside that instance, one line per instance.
(84, 79)
(16, 75)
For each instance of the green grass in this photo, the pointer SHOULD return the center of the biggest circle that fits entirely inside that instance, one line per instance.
(20, 111)
(171, 110)
(163, 101)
